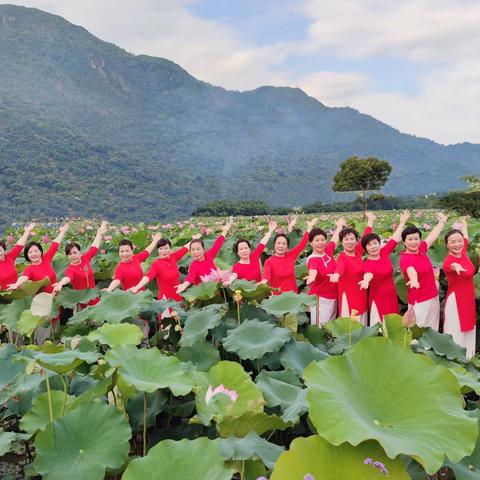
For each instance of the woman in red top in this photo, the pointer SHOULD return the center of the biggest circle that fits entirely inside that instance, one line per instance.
(79, 273)
(349, 273)
(40, 264)
(8, 272)
(460, 315)
(279, 269)
(378, 277)
(248, 267)
(320, 264)
(202, 261)
(418, 271)
(129, 270)
(165, 270)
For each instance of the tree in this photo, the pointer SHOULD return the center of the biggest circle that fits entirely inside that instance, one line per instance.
(361, 175)
(464, 202)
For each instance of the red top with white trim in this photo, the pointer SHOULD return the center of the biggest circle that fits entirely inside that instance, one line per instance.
(324, 265)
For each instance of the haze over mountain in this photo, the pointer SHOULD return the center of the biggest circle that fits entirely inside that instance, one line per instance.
(88, 129)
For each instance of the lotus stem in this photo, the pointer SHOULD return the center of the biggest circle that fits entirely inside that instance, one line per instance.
(66, 395)
(238, 312)
(49, 395)
(350, 332)
(144, 423)
(242, 472)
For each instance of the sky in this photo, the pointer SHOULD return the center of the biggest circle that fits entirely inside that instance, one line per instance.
(412, 64)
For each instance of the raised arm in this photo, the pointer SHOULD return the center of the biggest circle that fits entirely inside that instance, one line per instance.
(26, 233)
(153, 243)
(298, 249)
(272, 225)
(195, 237)
(397, 234)
(464, 229)
(100, 232)
(370, 219)
(340, 223)
(292, 224)
(61, 233)
(226, 228)
(433, 235)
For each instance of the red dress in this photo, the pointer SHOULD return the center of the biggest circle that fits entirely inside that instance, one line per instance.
(165, 271)
(81, 275)
(8, 272)
(351, 272)
(426, 278)
(130, 273)
(324, 265)
(199, 268)
(463, 287)
(382, 287)
(43, 269)
(280, 271)
(252, 270)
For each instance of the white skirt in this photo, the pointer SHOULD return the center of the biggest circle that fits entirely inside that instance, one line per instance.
(345, 311)
(452, 326)
(374, 314)
(427, 313)
(326, 309)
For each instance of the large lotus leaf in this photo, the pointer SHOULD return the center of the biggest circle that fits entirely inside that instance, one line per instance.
(160, 306)
(63, 361)
(343, 326)
(202, 354)
(183, 460)
(156, 402)
(401, 288)
(251, 290)
(38, 417)
(437, 254)
(10, 314)
(396, 331)
(148, 370)
(28, 289)
(253, 339)
(99, 390)
(258, 422)
(316, 457)
(119, 305)
(69, 298)
(403, 400)
(117, 334)
(234, 378)
(279, 388)
(297, 408)
(442, 344)
(476, 280)
(199, 322)
(250, 447)
(28, 322)
(203, 291)
(6, 439)
(81, 317)
(288, 302)
(297, 355)
(347, 341)
(83, 444)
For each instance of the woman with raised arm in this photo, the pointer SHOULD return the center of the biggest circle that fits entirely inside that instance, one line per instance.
(40, 264)
(129, 270)
(352, 300)
(460, 315)
(79, 272)
(279, 269)
(418, 272)
(8, 272)
(321, 263)
(378, 276)
(165, 270)
(248, 267)
(202, 260)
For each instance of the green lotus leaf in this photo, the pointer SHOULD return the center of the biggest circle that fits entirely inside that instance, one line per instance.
(156, 402)
(297, 355)
(148, 370)
(343, 326)
(401, 288)
(199, 322)
(315, 456)
(200, 458)
(442, 344)
(28, 322)
(396, 332)
(85, 442)
(10, 313)
(253, 339)
(38, 417)
(258, 422)
(81, 317)
(28, 289)
(233, 377)
(347, 341)
(476, 280)
(69, 298)
(6, 440)
(251, 290)
(279, 388)
(63, 361)
(250, 447)
(415, 410)
(159, 306)
(288, 302)
(297, 408)
(117, 334)
(203, 291)
(99, 390)
(437, 254)
(202, 354)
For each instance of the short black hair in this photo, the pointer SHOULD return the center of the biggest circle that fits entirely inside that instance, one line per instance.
(125, 241)
(28, 246)
(164, 241)
(315, 232)
(410, 231)
(281, 235)
(452, 232)
(238, 242)
(369, 237)
(347, 231)
(197, 240)
(70, 246)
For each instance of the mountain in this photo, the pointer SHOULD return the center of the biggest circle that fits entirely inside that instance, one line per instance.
(87, 128)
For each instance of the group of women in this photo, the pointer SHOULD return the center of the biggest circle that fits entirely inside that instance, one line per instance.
(358, 283)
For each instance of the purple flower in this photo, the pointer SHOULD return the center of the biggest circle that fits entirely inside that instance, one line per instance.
(368, 461)
(381, 467)
(308, 476)
(262, 478)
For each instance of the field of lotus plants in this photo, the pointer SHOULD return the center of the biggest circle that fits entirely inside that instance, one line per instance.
(234, 383)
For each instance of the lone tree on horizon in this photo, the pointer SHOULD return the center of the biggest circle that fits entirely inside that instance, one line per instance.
(361, 175)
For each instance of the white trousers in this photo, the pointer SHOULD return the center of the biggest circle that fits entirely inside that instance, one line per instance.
(452, 326)
(427, 313)
(325, 311)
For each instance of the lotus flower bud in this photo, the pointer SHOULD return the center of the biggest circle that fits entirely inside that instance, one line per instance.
(409, 319)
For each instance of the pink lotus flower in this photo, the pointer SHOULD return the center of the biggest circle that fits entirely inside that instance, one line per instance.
(192, 225)
(418, 214)
(88, 227)
(125, 229)
(221, 276)
(323, 217)
(211, 392)
(152, 227)
(426, 227)
(45, 238)
(10, 238)
(108, 238)
(103, 251)
(168, 226)
(203, 230)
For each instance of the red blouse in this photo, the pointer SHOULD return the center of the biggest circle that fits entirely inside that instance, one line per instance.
(130, 273)
(8, 272)
(44, 269)
(324, 265)
(251, 270)
(199, 268)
